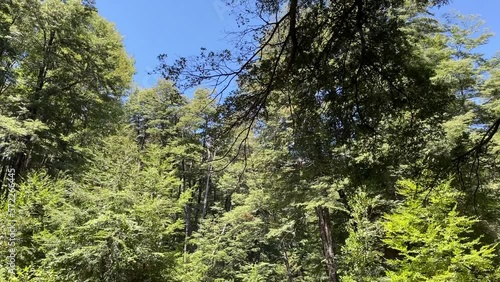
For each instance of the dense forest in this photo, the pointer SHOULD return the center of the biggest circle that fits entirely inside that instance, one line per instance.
(338, 140)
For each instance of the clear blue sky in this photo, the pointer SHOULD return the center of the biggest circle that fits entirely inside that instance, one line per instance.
(177, 28)
(180, 28)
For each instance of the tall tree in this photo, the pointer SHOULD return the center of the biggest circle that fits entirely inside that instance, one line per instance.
(70, 72)
(362, 85)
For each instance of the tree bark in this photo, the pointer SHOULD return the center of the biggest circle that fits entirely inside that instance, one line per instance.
(327, 242)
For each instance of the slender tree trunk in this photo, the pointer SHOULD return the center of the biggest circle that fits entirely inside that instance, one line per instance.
(189, 227)
(200, 190)
(327, 242)
(214, 193)
(207, 184)
(42, 73)
(18, 163)
(2, 177)
(227, 203)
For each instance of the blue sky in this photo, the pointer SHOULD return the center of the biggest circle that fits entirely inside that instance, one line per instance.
(177, 28)
(180, 28)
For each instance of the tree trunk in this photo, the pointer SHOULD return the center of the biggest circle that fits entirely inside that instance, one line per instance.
(227, 203)
(42, 73)
(188, 227)
(18, 163)
(207, 184)
(2, 178)
(327, 242)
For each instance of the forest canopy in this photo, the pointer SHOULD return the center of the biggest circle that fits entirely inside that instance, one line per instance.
(351, 140)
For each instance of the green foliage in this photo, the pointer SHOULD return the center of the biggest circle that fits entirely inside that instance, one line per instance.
(227, 248)
(296, 177)
(118, 223)
(362, 254)
(432, 239)
(154, 113)
(66, 74)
